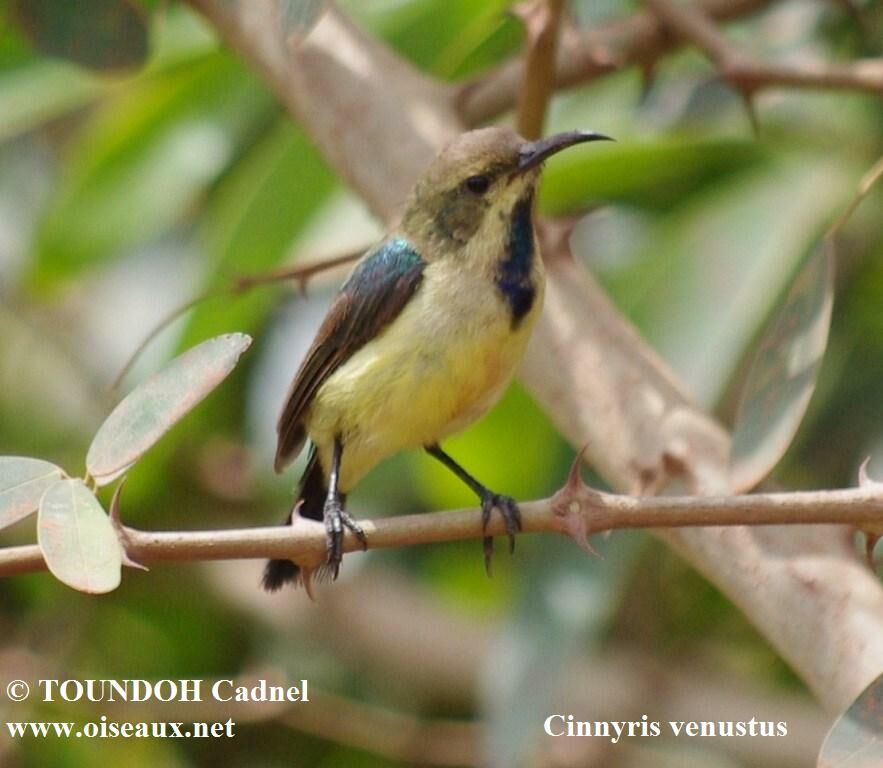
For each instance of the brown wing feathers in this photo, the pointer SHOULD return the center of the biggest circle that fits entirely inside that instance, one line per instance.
(377, 290)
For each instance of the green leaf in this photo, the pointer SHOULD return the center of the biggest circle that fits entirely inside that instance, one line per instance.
(856, 739)
(254, 220)
(77, 538)
(784, 372)
(152, 408)
(655, 174)
(707, 275)
(36, 92)
(143, 161)
(22, 483)
(450, 38)
(101, 34)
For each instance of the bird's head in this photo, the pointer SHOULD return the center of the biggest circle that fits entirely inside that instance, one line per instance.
(472, 188)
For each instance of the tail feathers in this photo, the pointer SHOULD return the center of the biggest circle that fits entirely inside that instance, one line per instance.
(278, 573)
(311, 504)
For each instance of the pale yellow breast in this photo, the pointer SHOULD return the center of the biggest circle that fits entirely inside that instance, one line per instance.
(437, 368)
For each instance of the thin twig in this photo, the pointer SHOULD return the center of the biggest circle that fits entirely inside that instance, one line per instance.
(170, 318)
(576, 510)
(300, 273)
(641, 40)
(586, 54)
(861, 75)
(692, 25)
(748, 74)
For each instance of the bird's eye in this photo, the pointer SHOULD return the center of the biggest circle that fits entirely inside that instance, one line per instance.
(477, 185)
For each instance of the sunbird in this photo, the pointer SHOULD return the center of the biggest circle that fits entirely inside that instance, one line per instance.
(424, 335)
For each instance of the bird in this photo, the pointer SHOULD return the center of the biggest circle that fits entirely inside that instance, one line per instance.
(423, 337)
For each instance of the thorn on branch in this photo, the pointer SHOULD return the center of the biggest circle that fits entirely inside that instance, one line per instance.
(864, 480)
(120, 529)
(575, 483)
(306, 579)
(572, 505)
(872, 536)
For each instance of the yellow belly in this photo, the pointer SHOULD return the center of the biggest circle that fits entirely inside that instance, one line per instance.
(437, 368)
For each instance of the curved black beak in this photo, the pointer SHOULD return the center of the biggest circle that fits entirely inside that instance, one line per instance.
(535, 152)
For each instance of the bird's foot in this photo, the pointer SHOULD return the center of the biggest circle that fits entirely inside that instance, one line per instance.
(336, 521)
(508, 508)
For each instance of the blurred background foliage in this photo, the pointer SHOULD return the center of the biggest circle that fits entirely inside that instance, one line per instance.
(123, 195)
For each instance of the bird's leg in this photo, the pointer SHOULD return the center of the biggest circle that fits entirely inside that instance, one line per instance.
(489, 500)
(336, 517)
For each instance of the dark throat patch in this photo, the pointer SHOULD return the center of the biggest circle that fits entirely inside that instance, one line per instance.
(514, 279)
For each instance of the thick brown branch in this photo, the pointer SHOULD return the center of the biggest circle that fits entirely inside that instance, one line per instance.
(344, 88)
(587, 367)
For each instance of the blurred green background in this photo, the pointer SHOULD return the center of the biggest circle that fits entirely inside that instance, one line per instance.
(123, 196)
